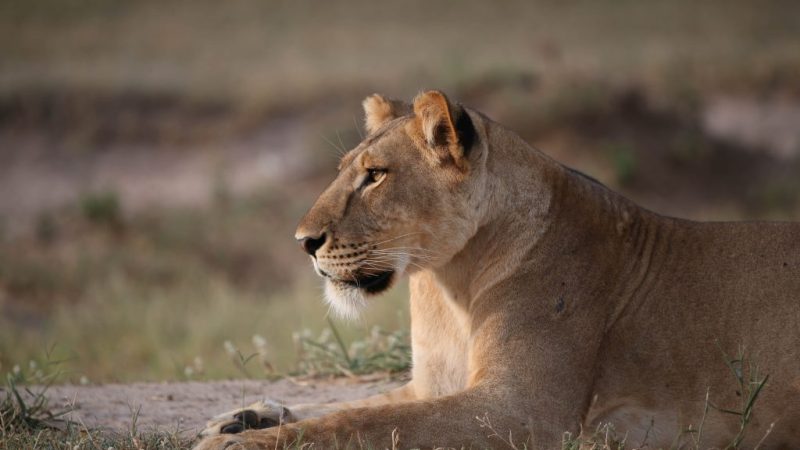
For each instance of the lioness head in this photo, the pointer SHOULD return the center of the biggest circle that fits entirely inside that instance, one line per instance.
(406, 198)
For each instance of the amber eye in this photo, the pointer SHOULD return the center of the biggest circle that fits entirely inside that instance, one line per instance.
(373, 176)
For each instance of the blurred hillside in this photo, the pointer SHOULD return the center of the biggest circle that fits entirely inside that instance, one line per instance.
(156, 156)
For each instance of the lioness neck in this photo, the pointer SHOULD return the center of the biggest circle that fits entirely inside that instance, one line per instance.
(534, 209)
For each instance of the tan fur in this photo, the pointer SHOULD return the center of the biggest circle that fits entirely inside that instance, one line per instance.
(379, 110)
(544, 301)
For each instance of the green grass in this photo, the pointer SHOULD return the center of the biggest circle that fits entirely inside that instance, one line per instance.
(623, 160)
(328, 354)
(102, 208)
(77, 438)
(27, 421)
(161, 293)
(156, 334)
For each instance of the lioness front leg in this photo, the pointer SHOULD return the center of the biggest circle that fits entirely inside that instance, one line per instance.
(529, 406)
(267, 414)
(451, 421)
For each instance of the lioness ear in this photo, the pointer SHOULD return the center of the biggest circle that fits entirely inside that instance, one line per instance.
(446, 127)
(378, 110)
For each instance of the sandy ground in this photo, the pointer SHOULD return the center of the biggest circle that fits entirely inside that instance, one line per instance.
(187, 406)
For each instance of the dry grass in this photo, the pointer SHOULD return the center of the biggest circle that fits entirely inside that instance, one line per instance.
(156, 292)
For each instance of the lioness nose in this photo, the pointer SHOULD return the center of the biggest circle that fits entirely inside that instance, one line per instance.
(311, 244)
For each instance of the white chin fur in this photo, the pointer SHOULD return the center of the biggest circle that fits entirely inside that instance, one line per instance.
(345, 302)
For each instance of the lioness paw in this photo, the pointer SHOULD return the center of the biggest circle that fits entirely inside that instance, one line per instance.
(259, 415)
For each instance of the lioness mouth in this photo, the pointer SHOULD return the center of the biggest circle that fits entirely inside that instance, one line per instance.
(373, 284)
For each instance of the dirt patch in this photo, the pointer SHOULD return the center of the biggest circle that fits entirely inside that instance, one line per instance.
(769, 124)
(37, 174)
(187, 406)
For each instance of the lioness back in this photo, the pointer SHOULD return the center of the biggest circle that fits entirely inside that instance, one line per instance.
(712, 289)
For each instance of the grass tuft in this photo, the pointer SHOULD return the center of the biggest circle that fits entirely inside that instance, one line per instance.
(102, 208)
(328, 355)
(26, 408)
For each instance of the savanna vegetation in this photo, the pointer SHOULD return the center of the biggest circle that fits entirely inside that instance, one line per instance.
(155, 158)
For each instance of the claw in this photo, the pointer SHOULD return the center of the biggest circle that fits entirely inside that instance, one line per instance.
(248, 417)
(266, 422)
(232, 428)
(257, 416)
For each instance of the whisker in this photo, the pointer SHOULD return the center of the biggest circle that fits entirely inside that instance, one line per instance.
(386, 257)
(398, 237)
(340, 150)
(402, 252)
(419, 249)
(358, 129)
(412, 263)
(409, 250)
(382, 260)
(410, 255)
(406, 248)
(339, 138)
(383, 264)
(376, 270)
(404, 255)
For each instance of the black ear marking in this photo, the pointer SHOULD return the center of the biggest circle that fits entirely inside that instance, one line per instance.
(439, 136)
(465, 131)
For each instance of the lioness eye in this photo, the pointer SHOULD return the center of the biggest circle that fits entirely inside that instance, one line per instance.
(374, 175)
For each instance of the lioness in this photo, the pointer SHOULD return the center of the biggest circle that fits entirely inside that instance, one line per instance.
(540, 300)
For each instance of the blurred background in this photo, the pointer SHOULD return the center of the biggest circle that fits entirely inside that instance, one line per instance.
(155, 156)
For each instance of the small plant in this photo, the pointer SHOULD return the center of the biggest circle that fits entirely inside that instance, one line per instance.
(102, 208)
(604, 438)
(689, 147)
(263, 354)
(749, 386)
(25, 408)
(240, 361)
(776, 196)
(492, 432)
(192, 371)
(623, 160)
(27, 420)
(381, 351)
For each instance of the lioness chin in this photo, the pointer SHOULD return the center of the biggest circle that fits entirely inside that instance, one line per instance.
(540, 300)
